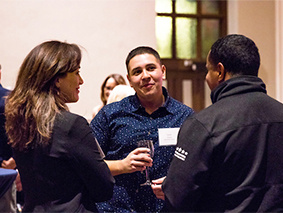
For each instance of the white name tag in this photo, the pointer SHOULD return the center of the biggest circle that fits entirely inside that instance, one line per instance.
(168, 136)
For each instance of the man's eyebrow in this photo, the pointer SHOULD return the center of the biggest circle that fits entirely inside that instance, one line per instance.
(151, 64)
(136, 68)
(147, 65)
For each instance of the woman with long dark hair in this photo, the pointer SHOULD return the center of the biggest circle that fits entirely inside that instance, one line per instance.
(59, 161)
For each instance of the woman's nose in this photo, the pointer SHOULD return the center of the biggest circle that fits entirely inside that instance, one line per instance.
(81, 80)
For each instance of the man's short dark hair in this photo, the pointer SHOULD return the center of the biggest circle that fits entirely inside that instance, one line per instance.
(237, 53)
(139, 51)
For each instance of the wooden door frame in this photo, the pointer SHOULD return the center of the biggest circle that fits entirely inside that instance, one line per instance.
(177, 71)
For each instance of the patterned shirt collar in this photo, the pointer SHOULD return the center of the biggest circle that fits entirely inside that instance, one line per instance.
(136, 105)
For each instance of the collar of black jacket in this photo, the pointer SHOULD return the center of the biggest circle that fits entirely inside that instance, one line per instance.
(237, 85)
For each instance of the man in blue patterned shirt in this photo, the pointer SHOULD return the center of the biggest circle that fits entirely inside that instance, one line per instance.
(120, 125)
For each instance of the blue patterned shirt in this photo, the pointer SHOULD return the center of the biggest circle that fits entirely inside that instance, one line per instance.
(118, 127)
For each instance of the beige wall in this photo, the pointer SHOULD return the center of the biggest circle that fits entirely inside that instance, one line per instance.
(279, 49)
(107, 29)
(262, 20)
(257, 21)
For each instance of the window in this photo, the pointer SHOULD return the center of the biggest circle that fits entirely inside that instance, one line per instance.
(185, 31)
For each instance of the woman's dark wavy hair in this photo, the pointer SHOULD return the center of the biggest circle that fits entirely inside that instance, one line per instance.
(237, 53)
(31, 107)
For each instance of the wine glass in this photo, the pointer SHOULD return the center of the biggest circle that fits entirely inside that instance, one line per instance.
(147, 144)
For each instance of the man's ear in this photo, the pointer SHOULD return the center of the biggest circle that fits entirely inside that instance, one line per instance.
(163, 68)
(128, 77)
(221, 72)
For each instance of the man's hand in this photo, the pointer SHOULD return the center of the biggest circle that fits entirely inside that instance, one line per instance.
(137, 160)
(157, 188)
(19, 183)
(9, 164)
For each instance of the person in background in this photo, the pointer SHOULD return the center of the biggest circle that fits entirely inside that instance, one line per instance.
(6, 154)
(107, 86)
(120, 125)
(56, 154)
(119, 92)
(229, 155)
(8, 199)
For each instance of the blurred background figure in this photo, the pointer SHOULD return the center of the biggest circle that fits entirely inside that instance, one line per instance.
(107, 86)
(56, 154)
(119, 92)
(7, 177)
(6, 160)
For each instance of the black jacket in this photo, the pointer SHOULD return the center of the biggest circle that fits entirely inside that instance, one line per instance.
(67, 176)
(229, 157)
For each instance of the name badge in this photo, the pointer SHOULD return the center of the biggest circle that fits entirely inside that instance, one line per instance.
(168, 136)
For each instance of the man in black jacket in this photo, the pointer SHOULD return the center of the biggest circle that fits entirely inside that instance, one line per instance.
(229, 156)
